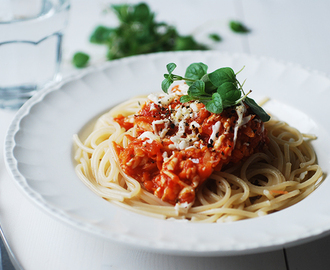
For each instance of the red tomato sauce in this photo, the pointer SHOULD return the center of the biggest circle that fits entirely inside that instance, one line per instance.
(174, 171)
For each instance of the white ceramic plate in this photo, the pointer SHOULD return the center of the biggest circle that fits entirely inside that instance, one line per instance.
(39, 153)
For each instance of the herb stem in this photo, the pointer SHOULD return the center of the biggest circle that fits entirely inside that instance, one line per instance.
(189, 80)
(241, 86)
(239, 71)
(243, 97)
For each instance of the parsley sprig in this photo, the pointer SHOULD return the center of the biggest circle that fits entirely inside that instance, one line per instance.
(139, 32)
(217, 90)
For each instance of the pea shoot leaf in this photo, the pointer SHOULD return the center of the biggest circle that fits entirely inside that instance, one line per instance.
(229, 91)
(195, 71)
(184, 43)
(166, 83)
(197, 89)
(209, 87)
(215, 105)
(80, 59)
(101, 35)
(186, 98)
(222, 75)
(170, 67)
(169, 78)
(257, 109)
(141, 13)
(215, 37)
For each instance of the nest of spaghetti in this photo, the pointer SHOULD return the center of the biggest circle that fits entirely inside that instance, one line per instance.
(159, 157)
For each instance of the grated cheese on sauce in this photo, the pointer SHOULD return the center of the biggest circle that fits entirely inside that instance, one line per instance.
(240, 110)
(149, 135)
(179, 116)
(215, 130)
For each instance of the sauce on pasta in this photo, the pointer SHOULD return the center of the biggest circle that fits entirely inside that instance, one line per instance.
(159, 157)
(178, 145)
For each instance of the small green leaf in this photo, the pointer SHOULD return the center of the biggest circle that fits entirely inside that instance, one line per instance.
(170, 67)
(238, 27)
(80, 59)
(122, 12)
(185, 99)
(184, 43)
(141, 12)
(209, 87)
(257, 109)
(195, 71)
(101, 35)
(166, 83)
(197, 89)
(222, 75)
(228, 91)
(215, 37)
(215, 105)
(211, 107)
(217, 100)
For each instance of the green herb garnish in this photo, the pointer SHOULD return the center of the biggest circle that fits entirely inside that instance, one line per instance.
(238, 27)
(215, 37)
(138, 33)
(80, 59)
(217, 90)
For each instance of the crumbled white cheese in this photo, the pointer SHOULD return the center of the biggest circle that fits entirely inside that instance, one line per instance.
(162, 98)
(179, 143)
(154, 97)
(165, 99)
(186, 135)
(182, 89)
(241, 121)
(181, 113)
(215, 130)
(182, 208)
(149, 135)
(194, 124)
(153, 106)
(159, 122)
(165, 156)
(163, 131)
(193, 106)
(195, 160)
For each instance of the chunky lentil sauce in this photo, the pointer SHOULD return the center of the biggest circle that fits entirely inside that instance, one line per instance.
(178, 146)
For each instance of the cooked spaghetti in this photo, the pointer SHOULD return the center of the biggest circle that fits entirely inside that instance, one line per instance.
(157, 156)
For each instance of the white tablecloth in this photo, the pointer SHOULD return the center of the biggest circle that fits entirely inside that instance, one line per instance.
(290, 31)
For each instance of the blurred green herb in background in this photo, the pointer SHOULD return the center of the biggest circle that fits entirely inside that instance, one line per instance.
(139, 33)
(215, 37)
(238, 27)
(80, 59)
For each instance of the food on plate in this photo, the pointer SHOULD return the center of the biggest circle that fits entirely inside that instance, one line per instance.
(202, 150)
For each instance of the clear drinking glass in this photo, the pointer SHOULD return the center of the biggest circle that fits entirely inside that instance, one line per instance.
(31, 33)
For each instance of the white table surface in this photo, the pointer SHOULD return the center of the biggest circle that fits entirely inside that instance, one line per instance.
(289, 31)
